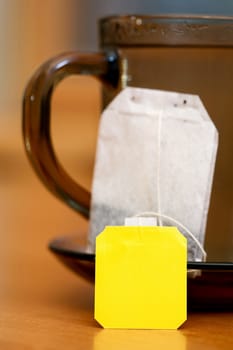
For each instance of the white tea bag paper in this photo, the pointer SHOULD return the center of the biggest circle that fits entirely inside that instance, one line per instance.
(156, 152)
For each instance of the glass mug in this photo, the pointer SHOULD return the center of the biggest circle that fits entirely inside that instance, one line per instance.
(176, 53)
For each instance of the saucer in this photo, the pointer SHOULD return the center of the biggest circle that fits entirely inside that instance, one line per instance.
(211, 288)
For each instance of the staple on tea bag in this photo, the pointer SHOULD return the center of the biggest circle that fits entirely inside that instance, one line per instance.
(156, 152)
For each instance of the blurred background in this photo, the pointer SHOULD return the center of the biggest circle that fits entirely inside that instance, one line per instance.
(32, 31)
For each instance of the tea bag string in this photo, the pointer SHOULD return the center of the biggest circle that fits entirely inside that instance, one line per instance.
(160, 223)
(177, 223)
(158, 215)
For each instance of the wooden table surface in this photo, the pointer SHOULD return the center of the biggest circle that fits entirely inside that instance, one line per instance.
(42, 304)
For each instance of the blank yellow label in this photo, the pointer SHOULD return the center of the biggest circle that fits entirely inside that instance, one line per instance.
(141, 277)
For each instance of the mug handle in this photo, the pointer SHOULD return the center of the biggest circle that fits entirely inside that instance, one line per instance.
(36, 119)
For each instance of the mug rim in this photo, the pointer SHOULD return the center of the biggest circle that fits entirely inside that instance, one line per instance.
(166, 30)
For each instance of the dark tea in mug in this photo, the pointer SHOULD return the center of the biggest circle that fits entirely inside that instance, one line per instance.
(175, 53)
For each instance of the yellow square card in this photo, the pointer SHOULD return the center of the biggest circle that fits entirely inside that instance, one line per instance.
(141, 277)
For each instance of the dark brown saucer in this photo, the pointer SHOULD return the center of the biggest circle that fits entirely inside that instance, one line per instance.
(210, 290)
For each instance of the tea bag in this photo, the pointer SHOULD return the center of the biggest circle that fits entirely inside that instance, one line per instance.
(156, 152)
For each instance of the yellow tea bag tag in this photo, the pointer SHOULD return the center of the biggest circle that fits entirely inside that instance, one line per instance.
(141, 277)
